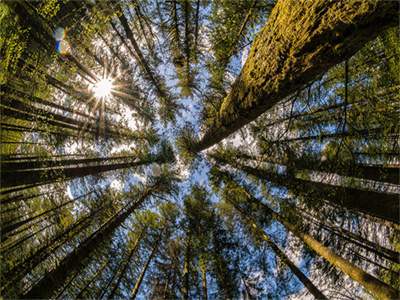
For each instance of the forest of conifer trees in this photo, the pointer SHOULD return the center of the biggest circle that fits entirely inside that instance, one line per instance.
(200, 149)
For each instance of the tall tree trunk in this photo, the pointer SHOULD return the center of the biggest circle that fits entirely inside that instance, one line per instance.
(81, 294)
(45, 176)
(204, 277)
(378, 204)
(376, 286)
(185, 290)
(280, 63)
(363, 133)
(140, 279)
(142, 61)
(385, 173)
(6, 230)
(22, 269)
(26, 165)
(104, 289)
(55, 278)
(279, 253)
(114, 290)
(348, 235)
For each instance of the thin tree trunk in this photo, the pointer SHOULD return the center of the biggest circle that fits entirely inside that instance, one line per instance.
(143, 63)
(364, 133)
(362, 242)
(385, 173)
(109, 282)
(5, 231)
(23, 268)
(185, 291)
(42, 164)
(81, 294)
(140, 279)
(204, 278)
(279, 253)
(45, 176)
(114, 290)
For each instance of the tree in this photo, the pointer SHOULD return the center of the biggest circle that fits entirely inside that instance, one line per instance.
(53, 280)
(91, 87)
(378, 287)
(291, 62)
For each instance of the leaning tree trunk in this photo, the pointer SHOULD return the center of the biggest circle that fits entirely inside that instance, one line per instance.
(377, 204)
(279, 253)
(374, 285)
(300, 41)
(140, 279)
(134, 248)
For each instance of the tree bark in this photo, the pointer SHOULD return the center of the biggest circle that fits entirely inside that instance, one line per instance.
(377, 204)
(279, 253)
(140, 279)
(376, 286)
(300, 41)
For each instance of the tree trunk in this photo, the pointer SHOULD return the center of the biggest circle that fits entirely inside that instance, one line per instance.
(376, 286)
(139, 281)
(81, 294)
(18, 272)
(45, 176)
(204, 279)
(279, 253)
(26, 165)
(5, 231)
(363, 133)
(114, 290)
(360, 241)
(385, 173)
(55, 278)
(143, 63)
(284, 59)
(377, 204)
(185, 291)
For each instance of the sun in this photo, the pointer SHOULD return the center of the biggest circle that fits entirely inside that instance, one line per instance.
(103, 88)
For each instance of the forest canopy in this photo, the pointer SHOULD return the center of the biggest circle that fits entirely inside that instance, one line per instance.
(189, 149)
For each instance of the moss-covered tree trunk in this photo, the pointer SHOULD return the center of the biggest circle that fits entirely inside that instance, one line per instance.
(301, 40)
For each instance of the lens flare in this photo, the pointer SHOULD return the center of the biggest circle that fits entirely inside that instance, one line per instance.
(59, 34)
(63, 47)
(102, 88)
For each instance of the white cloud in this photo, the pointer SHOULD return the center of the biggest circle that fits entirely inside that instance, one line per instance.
(141, 178)
(117, 185)
(182, 169)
